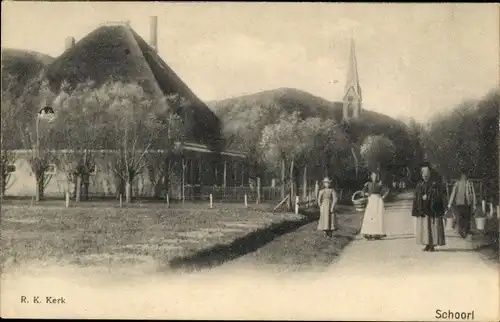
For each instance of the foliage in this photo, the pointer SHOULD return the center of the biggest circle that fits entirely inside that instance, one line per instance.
(7, 133)
(378, 152)
(28, 128)
(466, 138)
(320, 145)
(246, 117)
(133, 124)
(80, 132)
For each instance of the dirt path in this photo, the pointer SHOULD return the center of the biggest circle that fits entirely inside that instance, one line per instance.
(397, 271)
(384, 280)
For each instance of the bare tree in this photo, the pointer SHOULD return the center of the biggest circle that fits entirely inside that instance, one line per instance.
(8, 135)
(82, 132)
(33, 125)
(160, 164)
(136, 124)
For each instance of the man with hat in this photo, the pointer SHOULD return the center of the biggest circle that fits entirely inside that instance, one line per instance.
(429, 206)
(327, 199)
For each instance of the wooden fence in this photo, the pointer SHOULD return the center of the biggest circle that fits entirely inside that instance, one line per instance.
(253, 194)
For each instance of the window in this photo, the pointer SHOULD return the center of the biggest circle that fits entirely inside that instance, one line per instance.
(51, 169)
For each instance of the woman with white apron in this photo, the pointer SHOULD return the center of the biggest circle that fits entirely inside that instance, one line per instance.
(373, 221)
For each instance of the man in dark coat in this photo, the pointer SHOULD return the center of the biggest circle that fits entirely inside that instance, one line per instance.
(429, 207)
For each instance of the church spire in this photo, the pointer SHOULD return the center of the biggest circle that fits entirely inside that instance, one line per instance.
(352, 90)
(352, 73)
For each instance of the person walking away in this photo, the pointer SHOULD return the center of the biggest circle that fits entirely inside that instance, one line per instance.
(327, 200)
(373, 220)
(428, 209)
(463, 200)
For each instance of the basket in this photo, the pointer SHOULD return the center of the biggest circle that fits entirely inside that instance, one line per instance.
(359, 200)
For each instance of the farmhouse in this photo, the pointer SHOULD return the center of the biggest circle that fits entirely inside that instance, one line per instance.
(115, 51)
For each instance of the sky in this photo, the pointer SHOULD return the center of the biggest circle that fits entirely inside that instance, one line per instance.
(414, 60)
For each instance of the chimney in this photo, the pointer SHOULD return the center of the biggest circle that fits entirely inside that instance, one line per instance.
(70, 42)
(153, 32)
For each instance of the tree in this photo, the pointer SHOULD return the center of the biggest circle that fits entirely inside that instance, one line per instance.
(34, 130)
(160, 165)
(378, 151)
(8, 134)
(415, 132)
(462, 139)
(135, 124)
(281, 145)
(80, 133)
(302, 143)
(451, 140)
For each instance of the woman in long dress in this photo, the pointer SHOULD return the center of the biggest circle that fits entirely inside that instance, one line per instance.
(327, 199)
(428, 209)
(373, 220)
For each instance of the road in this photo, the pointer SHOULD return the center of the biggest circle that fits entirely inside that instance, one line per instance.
(391, 279)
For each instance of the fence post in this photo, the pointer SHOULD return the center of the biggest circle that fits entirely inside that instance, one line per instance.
(481, 192)
(67, 199)
(304, 183)
(258, 190)
(246, 201)
(168, 200)
(121, 201)
(316, 189)
(211, 201)
(296, 205)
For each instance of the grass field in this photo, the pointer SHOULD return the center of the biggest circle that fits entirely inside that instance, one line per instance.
(118, 236)
(306, 248)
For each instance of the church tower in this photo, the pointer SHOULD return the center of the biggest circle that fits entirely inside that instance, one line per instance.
(352, 93)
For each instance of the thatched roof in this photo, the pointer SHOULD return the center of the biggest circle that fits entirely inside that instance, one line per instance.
(117, 52)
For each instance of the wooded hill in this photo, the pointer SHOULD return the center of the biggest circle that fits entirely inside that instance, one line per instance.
(21, 66)
(246, 117)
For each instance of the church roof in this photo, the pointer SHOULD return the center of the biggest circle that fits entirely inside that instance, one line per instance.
(116, 52)
(352, 81)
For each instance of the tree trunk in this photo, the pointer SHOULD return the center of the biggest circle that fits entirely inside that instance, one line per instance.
(166, 179)
(304, 183)
(120, 187)
(292, 186)
(158, 188)
(85, 186)
(78, 187)
(4, 183)
(224, 179)
(39, 187)
(183, 196)
(282, 179)
(128, 191)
